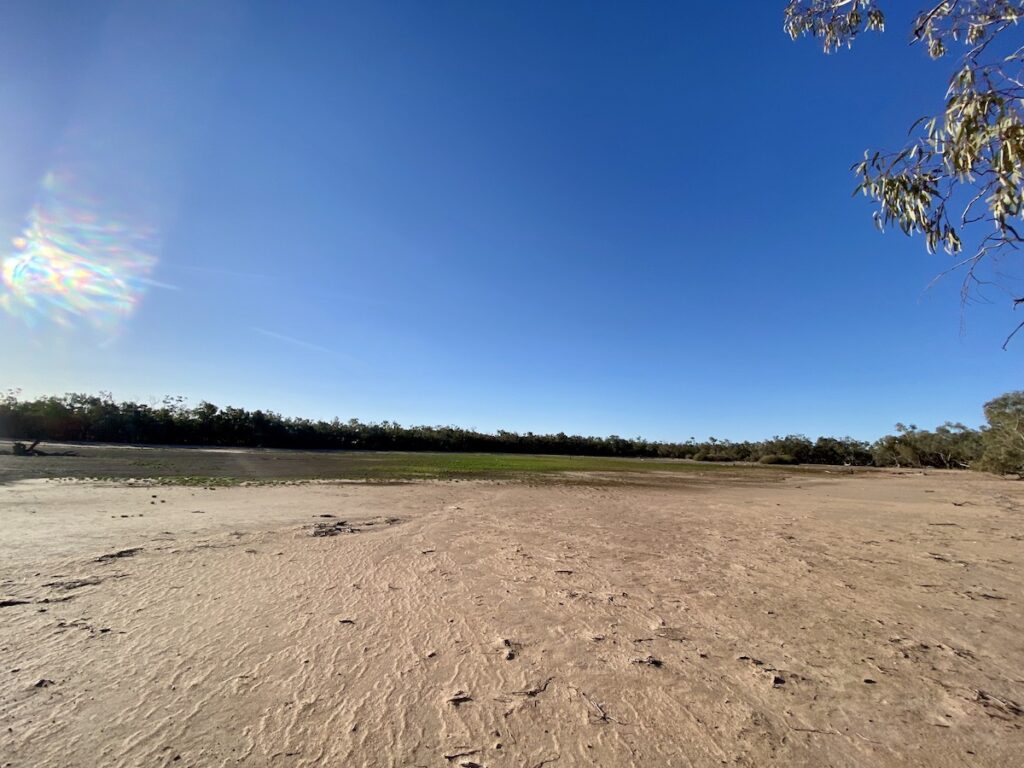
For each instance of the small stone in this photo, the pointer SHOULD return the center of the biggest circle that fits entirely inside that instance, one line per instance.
(649, 661)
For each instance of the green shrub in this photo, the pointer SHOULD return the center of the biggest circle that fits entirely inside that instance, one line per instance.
(778, 458)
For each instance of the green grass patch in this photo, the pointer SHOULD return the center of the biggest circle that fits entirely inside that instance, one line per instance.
(498, 465)
(215, 468)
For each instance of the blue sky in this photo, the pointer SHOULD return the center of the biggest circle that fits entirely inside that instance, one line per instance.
(627, 218)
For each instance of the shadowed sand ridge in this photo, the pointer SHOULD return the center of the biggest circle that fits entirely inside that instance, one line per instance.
(844, 621)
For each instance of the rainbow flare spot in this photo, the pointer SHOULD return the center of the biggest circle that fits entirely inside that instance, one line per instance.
(70, 265)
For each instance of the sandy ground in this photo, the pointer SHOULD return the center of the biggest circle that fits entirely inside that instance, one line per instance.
(872, 620)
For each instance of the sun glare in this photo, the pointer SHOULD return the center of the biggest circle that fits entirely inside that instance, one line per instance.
(73, 265)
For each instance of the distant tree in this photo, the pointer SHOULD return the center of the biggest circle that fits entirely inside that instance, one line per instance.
(845, 450)
(953, 446)
(959, 177)
(950, 446)
(900, 450)
(796, 447)
(1003, 441)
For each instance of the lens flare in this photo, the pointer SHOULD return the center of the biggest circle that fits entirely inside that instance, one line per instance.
(74, 266)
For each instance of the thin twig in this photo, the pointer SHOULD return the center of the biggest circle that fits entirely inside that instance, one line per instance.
(813, 730)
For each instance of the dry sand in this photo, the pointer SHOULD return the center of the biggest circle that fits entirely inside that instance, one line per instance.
(870, 620)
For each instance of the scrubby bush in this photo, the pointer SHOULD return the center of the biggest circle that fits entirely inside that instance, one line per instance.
(778, 458)
(706, 456)
(796, 446)
(843, 450)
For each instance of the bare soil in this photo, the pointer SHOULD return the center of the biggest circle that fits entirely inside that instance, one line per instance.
(802, 620)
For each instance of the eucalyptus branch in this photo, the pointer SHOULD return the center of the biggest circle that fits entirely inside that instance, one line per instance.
(971, 154)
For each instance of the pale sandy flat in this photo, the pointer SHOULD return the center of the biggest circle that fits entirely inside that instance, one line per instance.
(872, 620)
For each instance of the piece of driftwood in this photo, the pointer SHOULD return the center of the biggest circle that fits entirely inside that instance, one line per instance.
(21, 449)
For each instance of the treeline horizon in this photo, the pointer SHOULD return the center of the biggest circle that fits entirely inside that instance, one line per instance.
(90, 418)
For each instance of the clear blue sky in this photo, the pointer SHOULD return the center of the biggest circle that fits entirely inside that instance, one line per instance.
(595, 217)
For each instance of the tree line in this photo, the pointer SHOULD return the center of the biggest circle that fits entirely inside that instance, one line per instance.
(997, 446)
